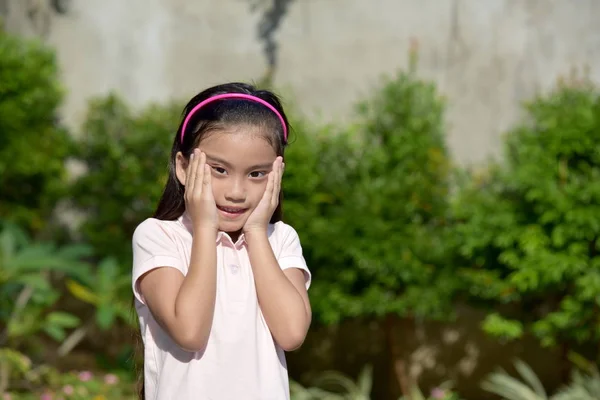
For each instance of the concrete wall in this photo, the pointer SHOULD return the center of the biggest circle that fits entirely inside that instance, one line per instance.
(485, 55)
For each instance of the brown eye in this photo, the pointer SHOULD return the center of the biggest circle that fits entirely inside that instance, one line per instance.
(257, 174)
(219, 170)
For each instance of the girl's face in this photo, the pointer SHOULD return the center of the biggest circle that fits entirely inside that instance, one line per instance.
(240, 160)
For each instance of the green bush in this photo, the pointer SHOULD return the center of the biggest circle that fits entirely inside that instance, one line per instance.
(384, 250)
(126, 157)
(27, 290)
(314, 186)
(374, 225)
(529, 231)
(33, 146)
(29, 297)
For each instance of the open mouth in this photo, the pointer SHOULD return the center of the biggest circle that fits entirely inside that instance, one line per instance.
(231, 212)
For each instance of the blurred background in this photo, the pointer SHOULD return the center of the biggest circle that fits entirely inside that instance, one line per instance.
(443, 175)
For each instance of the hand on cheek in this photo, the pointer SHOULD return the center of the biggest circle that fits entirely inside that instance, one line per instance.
(199, 199)
(260, 217)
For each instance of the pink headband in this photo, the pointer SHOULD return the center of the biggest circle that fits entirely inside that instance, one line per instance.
(234, 96)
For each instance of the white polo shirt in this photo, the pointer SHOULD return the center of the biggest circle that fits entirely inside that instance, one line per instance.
(241, 360)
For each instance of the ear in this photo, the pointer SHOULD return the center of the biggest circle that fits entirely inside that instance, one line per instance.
(181, 164)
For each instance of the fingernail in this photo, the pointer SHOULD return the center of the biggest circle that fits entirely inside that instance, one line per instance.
(192, 156)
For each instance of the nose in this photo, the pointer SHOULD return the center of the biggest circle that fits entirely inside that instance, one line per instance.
(236, 191)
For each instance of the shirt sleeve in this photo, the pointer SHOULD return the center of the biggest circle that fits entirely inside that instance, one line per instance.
(152, 248)
(290, 255)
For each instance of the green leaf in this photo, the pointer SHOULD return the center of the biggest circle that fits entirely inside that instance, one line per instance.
(81, 292)
(108, 271)
(63, 319)
(36, 281)
(497, 325)
(55, 332)
(105, 316)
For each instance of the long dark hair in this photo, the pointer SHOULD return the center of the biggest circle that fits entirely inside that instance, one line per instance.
(215, 116)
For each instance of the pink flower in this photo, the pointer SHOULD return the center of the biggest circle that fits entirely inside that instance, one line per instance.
(111, 379)
(85, 376)
(438, 393)
(6, 396)
(68, 389)
(46, 396)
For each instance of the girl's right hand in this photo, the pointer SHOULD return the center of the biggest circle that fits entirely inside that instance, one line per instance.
(199, 200)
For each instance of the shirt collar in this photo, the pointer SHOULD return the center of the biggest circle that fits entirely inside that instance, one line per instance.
(221, 236)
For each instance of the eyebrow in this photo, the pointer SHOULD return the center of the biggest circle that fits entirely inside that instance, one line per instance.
(217, 159)
(261, 166)
(228, 165)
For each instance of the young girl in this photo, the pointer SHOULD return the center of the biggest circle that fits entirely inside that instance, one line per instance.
(220, 282)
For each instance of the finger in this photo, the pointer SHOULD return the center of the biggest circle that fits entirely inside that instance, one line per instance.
(207, 181)
(281, 171)
(190, 174)
(267, 196)
(274, 194)
(199, 180)
(277, 182)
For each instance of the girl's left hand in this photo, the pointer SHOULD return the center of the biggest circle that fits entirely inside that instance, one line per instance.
(261, 216)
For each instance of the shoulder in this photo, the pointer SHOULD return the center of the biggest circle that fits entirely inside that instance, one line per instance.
(148, 226)
(152, 227)
(284, 238)
(281, 231)
(287, 248)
